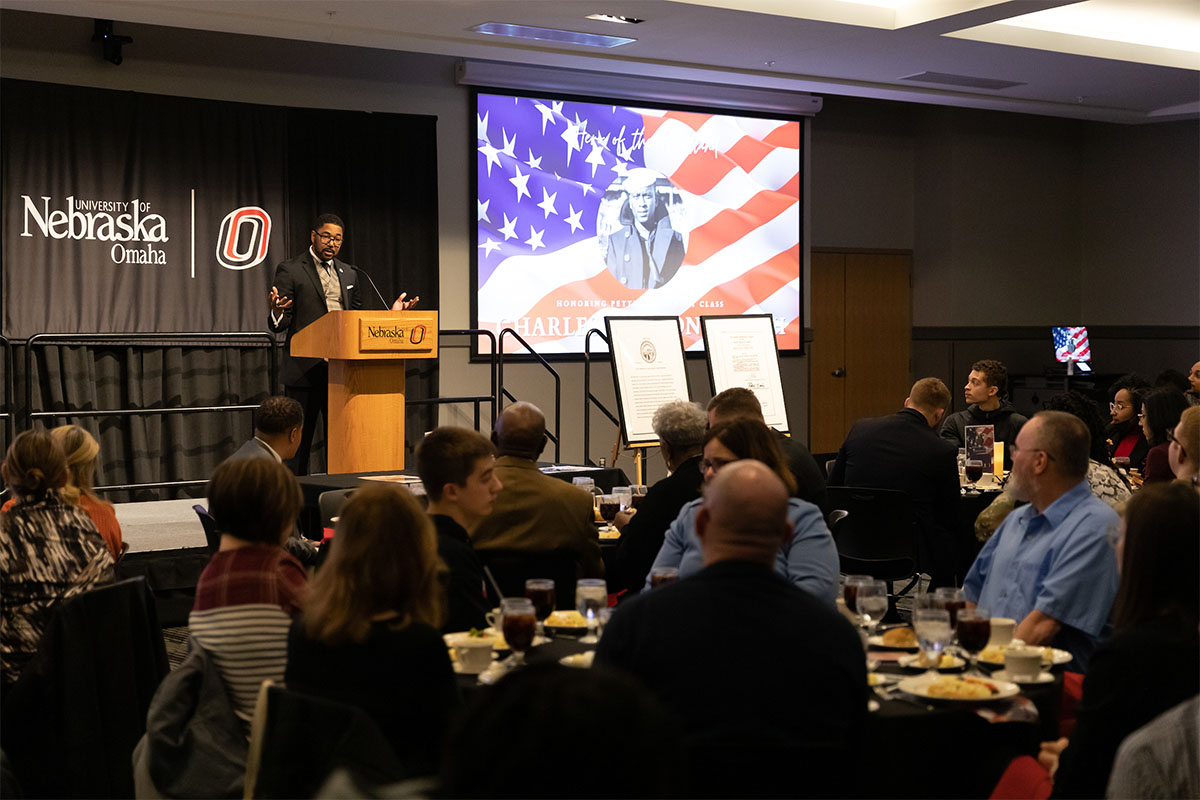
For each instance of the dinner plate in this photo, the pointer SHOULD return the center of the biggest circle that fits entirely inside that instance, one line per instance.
(877, 642)
(490, 633)
(914, 662)
(1042, 677)
(1057, 658)
(881, 678)
(919, 685)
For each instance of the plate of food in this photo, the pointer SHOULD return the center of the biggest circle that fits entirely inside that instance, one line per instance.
(958, 688)
(946, 662)
(993, 655)
(881, 678)
(496, 637)
(565, 623)
(902, 638)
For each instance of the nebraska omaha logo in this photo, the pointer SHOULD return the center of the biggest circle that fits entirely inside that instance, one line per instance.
(244, 237)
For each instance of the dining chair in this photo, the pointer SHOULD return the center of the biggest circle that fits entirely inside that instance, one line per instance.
(331, 503)
(211, 536)
(876, 534)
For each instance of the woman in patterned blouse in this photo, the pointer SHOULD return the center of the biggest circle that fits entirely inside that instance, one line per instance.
(49, 550)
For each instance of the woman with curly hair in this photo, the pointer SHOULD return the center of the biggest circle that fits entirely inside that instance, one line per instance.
(809, 560)
(369, 637)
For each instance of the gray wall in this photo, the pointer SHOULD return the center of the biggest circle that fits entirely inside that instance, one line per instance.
(1013, 220)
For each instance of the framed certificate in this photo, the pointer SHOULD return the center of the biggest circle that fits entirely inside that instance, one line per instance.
(648, 370)
(741, 352)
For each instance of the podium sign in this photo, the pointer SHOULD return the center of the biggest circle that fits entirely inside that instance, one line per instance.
(366, 351)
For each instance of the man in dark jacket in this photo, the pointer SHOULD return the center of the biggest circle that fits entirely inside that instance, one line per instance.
(901, 451)
(986, 388)
(739, 402)
(458, 468)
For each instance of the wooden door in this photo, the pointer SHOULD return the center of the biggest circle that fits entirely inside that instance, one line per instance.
(862, 336)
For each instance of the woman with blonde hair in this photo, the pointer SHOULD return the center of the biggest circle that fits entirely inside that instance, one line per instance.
(82, 451)
(368, 635)
(49, 550)
(1184, 452)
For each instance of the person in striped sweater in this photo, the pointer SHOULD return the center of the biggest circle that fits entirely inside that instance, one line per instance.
(250, 590)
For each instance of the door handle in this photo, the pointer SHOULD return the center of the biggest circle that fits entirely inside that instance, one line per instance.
(838, 373)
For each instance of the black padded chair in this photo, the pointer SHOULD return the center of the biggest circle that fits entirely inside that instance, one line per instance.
(511, 568)
(210, 528)
(331, 503)
(876, 534)
(72, 719)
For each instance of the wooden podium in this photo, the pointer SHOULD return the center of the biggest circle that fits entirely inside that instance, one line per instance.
(366, 351)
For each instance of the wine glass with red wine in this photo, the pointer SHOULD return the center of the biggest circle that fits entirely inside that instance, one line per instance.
(974, 630)
(973, 470)
(540, 592)
(520, 622)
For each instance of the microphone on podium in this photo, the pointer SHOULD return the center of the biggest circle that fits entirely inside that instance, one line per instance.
(386, 305)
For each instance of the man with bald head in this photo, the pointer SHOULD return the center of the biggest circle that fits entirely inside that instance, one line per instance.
(903, 451)
(1050, 565)
(746, 659)
(533, 511)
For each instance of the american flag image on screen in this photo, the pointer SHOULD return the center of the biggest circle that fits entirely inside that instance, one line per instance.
(555, 225)
(1071, 344)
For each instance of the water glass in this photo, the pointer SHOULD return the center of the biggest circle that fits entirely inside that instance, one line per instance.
(850, 591)
(932, 626)
(624, 495)
(871, 604)
(591, 595)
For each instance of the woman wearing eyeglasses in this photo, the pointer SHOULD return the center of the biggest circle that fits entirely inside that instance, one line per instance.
(1160, 413)
(1184, 450)
(1124, 435)
(809, 560)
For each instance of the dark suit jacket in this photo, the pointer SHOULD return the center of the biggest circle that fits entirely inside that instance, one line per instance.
(810, 478)
(782, 666)
(902, 452)
(625, 256)
(297, 278)
(643, 536)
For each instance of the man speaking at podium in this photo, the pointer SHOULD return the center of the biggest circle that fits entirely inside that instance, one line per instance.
(306, 287)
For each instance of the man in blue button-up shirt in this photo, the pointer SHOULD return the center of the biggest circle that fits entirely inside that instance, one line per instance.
(1050, 565)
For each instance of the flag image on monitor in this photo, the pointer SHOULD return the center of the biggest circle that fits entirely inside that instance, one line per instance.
(1071, 346)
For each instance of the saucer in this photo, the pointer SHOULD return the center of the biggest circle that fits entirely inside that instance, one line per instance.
(1043, 677)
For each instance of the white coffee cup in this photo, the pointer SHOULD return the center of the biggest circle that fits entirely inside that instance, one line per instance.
(474, 655)
(495, 618)
(1003, 629)
(1023, 662)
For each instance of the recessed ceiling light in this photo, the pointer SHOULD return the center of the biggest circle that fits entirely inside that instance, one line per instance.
(550, 34)
(615, 18)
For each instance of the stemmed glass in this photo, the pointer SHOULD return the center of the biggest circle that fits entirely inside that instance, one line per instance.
(974, 630)
(540, 592)
(850, 591)
(973, 470)
(871, 604)
(591, 595)
(520, 622)
(932, 626)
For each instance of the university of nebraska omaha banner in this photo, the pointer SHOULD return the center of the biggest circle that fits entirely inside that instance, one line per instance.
(127, 212)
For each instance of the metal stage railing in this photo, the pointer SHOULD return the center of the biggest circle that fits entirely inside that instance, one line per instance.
(9, 413)
(493, 398)
(554, 437)
(258, 339)
(589, 398)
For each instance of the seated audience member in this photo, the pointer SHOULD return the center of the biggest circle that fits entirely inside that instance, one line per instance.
(1102, 477)
(680, 427)
(1184, 451)
(1161, 409)
(1124, 434)
(369, 637)
(738, 402)
(1160, 759)
(534, 511)
(525, 738)
(251, 588)
(49, 550)
(1193, 392)
(902, 451)
(82, 450)
(277, 425)
(804, 688)
(1172, 379)
(458, 468)
(808, 558)
(985, 393)
(1152, 661)
(1050, 565)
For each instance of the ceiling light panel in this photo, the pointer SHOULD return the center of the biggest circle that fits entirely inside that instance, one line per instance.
(550, 35)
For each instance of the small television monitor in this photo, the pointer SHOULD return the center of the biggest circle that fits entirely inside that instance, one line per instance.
(590, 208)
(1071, 347)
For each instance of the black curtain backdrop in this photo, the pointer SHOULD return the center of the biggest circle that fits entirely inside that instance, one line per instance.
(191, 163)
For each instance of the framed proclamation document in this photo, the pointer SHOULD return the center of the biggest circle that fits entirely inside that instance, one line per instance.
(741, 352)
(648, 370)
